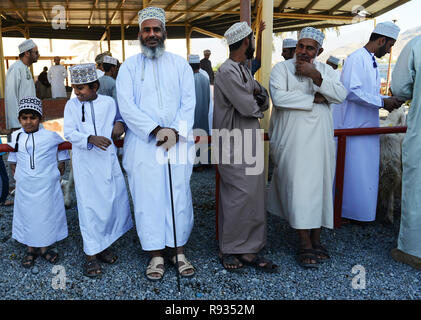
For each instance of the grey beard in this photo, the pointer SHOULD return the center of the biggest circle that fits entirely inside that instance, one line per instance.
(153, 53)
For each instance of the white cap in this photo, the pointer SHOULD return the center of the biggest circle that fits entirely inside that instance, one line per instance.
(194, 58)
(289, 43)
(28, 44)
(237, 32)
(151, 13)
(312, 33)
(333, 60)
(30, 103)
(388, 29)
(110, 60)
(83, 73)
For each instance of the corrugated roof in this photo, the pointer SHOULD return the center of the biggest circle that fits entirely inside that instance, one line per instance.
(89, 20)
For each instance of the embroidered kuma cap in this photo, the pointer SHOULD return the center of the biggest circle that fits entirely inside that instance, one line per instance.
(238, 31)
(289, 43)
(194, 58)
(151, 13)
(28, 44)
(99, 58)
(83, 73)
(312, 33)
(388, 29)
(109, 60)
(333, 60)
(30, 103)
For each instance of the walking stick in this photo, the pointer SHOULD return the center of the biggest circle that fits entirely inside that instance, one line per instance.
(173, 225)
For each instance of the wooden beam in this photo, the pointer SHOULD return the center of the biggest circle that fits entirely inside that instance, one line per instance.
(121, 4)
(16, 11)
(282, 6)
(213, 8)
(171, 5)
(310, 6)
(391, 7)
(94, 4)
(188, 11)
(229, 9)
(321, 17)
(44, 15)
(207, 33)
(337, 6)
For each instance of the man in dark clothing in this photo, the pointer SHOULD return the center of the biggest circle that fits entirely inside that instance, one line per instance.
(206, 65)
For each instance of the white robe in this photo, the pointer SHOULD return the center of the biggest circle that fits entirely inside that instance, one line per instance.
(56, 76)
(39, 217)
(19, 84)
(210, 115)
(102, 199)
(359, 110)
(302, 146)
(406, 82)
(151, 93)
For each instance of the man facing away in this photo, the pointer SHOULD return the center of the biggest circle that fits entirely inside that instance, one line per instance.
(155, 93)
(302, 145)
(360, 76)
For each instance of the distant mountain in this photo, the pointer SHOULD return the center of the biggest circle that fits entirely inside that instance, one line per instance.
(344, 51)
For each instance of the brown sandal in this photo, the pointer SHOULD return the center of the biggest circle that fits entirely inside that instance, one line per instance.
(29, 259)
(107, 256)
(91, 268)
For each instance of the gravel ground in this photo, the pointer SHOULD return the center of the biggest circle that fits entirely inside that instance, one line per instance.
(349, 246)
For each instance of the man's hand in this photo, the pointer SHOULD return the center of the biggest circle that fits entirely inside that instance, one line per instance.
(391, 103)
(62, 167)
(308, 69)
(319, 98)
(166, 137)
(101, 142)
(262, 26)
(118, 130)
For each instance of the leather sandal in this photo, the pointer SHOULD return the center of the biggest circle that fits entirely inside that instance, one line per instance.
(156, 265)
(183, 265)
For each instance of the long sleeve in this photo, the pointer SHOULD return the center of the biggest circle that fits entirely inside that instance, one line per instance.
(403, 76)
(331, 88)
(13, 79)
(232, 86)
(71, 133)
(12, 157)
(50, 76)
(264, 92)
(284, 98)
(352, 80)
(188, 102)
(137, 121)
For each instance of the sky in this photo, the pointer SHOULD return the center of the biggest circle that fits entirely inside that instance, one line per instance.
(407, 17)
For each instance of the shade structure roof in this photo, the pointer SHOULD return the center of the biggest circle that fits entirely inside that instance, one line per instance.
(90, 19)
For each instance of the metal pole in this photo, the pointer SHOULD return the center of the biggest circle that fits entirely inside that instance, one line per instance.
(173, 225)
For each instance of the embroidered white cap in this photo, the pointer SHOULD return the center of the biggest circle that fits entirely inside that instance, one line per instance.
(312, 33)
(237, 32)
(28, 44)
(333, 60)
(110, 60)
(194, 58)
(388, 29)
(30, 103)
(83, 73)
(289, 43)
(151, 13)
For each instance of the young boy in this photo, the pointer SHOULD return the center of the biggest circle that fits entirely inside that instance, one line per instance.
(39, 218)
(102, 200)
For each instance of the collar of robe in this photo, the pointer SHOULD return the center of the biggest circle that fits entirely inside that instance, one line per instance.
(372, 57)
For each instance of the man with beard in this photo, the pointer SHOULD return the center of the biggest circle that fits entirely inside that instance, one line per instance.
(302, 145)
(156, 96)
(239, 104)
(360, 76)
(19, 82)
